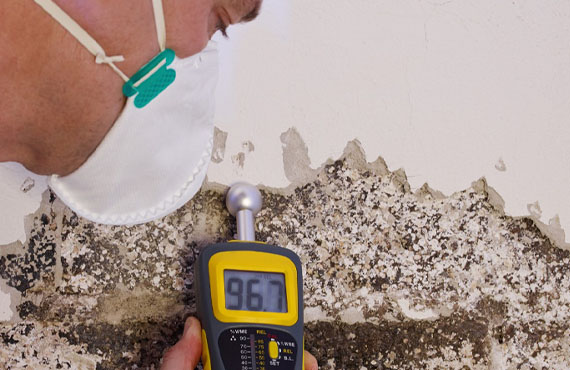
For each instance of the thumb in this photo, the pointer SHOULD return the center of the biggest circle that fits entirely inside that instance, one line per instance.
(310, 362)
(185, 354)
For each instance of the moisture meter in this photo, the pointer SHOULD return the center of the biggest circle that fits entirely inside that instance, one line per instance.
(249, 297)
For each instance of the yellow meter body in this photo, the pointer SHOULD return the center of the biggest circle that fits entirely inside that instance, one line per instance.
(250, 303)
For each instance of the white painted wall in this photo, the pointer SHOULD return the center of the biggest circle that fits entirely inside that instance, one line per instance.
(443, 89)
(20, 195)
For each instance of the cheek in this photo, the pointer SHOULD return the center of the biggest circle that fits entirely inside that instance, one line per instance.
(189, 28)
(213, 21)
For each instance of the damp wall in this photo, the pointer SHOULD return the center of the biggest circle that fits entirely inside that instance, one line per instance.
(397, 274)
(450, 91)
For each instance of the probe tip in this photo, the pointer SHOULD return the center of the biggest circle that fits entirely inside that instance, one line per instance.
(242, 196)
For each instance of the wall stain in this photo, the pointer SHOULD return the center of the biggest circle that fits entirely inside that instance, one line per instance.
(219, 148)
(108, 297)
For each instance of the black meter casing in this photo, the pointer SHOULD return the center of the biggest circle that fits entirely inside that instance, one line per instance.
(249, 339)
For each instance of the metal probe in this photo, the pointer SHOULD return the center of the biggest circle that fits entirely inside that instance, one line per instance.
(243, 201)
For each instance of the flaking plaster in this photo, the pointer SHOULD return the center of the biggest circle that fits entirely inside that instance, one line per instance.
(392, 277)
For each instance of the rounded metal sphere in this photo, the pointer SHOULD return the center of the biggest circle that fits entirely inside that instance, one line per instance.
(242, 195)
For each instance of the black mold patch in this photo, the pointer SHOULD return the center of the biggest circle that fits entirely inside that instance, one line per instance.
(145, 342)
(365, 240)
(38, 261)
(27, 310)
(393, 345)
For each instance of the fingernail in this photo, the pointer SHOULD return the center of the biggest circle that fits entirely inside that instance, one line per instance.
(190, 322)
(192, 327)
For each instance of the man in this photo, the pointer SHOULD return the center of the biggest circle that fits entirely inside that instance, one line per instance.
(66, 70)
(49, 125)
(58, 102)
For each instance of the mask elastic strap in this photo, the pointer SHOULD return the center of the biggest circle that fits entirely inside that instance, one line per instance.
(82, 36)
(160, 24)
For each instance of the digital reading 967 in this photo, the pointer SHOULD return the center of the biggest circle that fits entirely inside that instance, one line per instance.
(255, 291)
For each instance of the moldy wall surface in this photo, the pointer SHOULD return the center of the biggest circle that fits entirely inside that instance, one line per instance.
(451, 91)
(394, 279)
(397, 275)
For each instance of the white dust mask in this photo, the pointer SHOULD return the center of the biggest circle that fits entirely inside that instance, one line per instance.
(154, 158)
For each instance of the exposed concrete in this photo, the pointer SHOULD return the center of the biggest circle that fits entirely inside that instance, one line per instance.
(392, 278)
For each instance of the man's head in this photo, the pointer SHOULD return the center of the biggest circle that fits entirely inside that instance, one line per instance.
(70, 113)
(58, 105)
(190, 24)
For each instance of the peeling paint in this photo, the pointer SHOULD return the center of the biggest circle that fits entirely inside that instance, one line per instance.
(315, 314)
(27, 185)
(392, 278)
(554, 231)
(239, 159)
(219, 148)
(20, 195)
(6, 311)
(493, 197)
(352, 315)
(248, 146)
(500, 165)
(416, 314)
(296, 160)
(534, 210)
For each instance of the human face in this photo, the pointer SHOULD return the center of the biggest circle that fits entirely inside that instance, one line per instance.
(45, 124)
(191, 23)
(228, 12)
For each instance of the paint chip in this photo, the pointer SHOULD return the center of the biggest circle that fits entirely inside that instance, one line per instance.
(534, 209)
(239, 159)
(500, 165)
(296, 162)
(352, 315)
(27, 185)
(248, 146)
(5, 309)
(219, 151)
(426, 314)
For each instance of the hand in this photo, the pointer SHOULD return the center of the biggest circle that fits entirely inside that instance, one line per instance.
(185, 354)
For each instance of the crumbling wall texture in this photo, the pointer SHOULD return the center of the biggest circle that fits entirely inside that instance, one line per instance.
(394, 279)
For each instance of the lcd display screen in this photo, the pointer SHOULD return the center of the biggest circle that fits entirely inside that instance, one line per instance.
(255, 291)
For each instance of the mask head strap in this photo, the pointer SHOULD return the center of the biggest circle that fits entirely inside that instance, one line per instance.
(82, 36)
(89, 42)
(159, 22)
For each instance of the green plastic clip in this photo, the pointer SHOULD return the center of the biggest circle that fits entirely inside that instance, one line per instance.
(152, 79)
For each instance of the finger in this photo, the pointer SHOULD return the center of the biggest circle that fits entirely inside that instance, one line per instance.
(185, 354)
(310, 362)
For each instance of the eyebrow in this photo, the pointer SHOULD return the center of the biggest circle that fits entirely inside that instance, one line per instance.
(253, 13)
